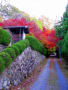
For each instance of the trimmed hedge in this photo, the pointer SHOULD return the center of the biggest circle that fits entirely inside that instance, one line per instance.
(21, 45)
(10, 53)
(6, 58)
(16, 49)
(5, 37)
(2, 64)
(36, 45)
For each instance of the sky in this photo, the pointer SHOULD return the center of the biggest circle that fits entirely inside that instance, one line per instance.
(52, 9)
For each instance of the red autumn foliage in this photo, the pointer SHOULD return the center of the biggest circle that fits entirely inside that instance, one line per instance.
(14, 22)
(1, 24)
(33, 28)
(47, 37)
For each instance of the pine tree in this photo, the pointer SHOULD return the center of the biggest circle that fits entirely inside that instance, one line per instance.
(65, 21)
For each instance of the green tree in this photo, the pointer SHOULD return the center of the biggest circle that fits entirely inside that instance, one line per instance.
(65, 21)
(65, 47)
(62, 26)
(61, 32)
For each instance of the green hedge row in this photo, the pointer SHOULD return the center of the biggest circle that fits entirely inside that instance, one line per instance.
(10, 53)
(5, 37)
(36, 45)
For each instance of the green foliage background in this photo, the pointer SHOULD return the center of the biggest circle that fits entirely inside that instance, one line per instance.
(62, 32)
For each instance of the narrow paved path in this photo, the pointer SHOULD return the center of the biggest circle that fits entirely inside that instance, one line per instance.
(51, 78)
(41, 82)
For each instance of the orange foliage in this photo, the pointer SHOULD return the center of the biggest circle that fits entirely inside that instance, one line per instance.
(49, 38)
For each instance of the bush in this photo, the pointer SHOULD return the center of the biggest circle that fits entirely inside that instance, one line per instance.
(6, 58)
(44, 50)
(5, 37)
(16, 50)
(21, 45)
(11, 51)
(2, 64)
(36, 45)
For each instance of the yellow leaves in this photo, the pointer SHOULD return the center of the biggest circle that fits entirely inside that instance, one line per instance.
(38, 22)
(52, 49)
(30, 34)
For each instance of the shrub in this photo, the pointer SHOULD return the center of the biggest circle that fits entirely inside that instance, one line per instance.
(21, 45)
(17, 52)
(11, 52)
(44, 50)
(5, 37)
(2, 64)
(36, 45)
(6, 58)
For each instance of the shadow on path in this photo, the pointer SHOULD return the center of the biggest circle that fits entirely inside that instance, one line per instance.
(61, 79)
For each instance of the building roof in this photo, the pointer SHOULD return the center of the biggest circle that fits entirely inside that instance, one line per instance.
(9, 27)
(17, 28)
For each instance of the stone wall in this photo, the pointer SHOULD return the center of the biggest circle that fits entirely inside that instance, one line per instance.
(20, 68)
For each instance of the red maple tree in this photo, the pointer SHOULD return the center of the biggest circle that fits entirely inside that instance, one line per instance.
(47, 37)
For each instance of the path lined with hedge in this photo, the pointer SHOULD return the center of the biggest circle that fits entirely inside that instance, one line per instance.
(51, 78)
